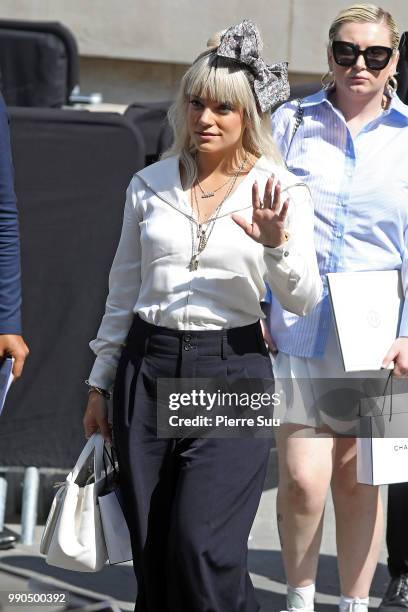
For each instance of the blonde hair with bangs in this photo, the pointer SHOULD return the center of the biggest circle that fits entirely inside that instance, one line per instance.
(225, 81)
(366, 13)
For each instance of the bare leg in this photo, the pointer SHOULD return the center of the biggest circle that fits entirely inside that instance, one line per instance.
(359, 522)
(305, 470)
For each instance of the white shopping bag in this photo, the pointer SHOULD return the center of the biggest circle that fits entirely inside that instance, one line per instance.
(382, 460)
(115, 529)
(382, 448)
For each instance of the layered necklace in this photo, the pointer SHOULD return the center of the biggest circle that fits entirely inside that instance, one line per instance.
(204, 229)
(210, 194)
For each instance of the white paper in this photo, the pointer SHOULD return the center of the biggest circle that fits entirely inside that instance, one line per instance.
(366, 308)
(6, 378)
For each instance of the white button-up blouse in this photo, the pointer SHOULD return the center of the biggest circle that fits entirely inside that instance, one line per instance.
(151, 275)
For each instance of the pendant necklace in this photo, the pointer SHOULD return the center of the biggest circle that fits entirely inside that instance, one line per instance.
(210, 194)
(203, 233)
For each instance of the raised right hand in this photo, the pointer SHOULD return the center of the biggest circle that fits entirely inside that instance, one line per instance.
(268, 215)
(96, 417)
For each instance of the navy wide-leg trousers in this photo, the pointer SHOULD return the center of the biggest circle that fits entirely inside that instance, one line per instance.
(189, 503)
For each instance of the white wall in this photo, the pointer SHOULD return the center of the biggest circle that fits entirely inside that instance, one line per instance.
(157, 30)
(174, 31)
(118, 38)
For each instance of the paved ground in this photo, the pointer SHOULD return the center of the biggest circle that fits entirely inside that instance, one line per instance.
(24, 569)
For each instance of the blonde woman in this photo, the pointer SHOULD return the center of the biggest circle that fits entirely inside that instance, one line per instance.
(350, 149)
(185, 288)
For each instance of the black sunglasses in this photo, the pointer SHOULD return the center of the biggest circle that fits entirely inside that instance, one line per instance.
(346, 54)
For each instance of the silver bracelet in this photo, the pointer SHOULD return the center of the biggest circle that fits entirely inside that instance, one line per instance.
(102, 392)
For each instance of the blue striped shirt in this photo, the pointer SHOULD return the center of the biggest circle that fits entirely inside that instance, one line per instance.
(359, 188)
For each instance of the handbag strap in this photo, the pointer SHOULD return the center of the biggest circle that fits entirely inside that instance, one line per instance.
(300, 111)
(94, 445)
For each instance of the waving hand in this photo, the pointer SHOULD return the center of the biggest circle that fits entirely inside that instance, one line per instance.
(268, 217)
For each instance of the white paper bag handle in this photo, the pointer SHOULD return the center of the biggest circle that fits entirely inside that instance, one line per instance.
(94, 444)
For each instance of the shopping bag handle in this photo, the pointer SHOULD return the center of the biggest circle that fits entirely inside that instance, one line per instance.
(112, 463)
(389, 379)
(111, 457)
(94, 445)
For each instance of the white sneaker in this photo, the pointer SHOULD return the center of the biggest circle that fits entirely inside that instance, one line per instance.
(299, 610)
(296, 602)
(293, 609)
(357, 605)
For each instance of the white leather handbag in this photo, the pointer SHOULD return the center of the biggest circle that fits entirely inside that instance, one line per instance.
(73, 537)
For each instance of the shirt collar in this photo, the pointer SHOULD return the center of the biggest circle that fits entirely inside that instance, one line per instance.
(317, 98)
(163, 178)
(397, 108)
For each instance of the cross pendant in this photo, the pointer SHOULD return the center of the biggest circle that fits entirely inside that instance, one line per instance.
(193, 263)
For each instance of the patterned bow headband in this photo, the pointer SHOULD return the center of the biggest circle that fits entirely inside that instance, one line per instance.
(242, 43)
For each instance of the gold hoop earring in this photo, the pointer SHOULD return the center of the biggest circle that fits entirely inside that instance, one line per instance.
(392, 86)
(327, 80)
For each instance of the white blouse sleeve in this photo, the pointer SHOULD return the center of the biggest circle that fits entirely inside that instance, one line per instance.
(124, 286)
(292, 270)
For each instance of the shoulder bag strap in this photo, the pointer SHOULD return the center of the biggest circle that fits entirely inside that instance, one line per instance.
(298, 120)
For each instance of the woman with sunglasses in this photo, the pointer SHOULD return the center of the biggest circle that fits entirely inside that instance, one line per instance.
(350, 148)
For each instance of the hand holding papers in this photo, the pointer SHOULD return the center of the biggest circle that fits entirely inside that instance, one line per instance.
(6, 378)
